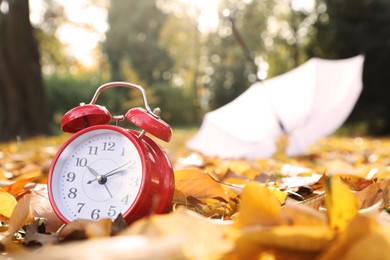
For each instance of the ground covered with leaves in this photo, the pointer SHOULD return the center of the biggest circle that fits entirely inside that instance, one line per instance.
(331, 203)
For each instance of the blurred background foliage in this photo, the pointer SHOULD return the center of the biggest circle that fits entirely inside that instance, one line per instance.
(188, 70)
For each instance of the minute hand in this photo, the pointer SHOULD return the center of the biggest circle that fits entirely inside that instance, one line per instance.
(115, 171)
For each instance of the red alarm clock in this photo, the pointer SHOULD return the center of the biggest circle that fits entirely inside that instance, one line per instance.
(104, 170)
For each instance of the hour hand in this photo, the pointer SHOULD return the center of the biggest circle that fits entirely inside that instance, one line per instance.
(101, 179)
(92, 171)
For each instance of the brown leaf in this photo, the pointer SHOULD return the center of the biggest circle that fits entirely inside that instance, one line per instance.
(21, 214)
(82, 228)
(357, 185)
(196, 183)
(17, 189)
(320, 183)
(179, 197)
(118, 225)
(34, 236)
(372, 194)
(41, 208)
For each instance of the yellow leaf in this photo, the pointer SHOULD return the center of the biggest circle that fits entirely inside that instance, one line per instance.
(280, 195)
(240, 183)
(200, 237)
(301, 238)
(303, 215)
(259, 206)
(8, 203)
(238, 167)
(359, 228)
(340, 202)
(196, 183)
(375, 245)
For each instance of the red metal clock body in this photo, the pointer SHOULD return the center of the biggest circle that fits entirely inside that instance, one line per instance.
(105, 170)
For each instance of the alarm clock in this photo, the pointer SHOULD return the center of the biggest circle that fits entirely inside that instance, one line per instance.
(104, 170)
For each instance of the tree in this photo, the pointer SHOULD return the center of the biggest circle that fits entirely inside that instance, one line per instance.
(22, 94)
(350, 27)
(275, 34)
(134, 36)
(133, 44)
(181, 37)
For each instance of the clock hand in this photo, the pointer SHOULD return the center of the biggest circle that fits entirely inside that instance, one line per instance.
(115, 171)
(103, 177)
(100, 179)
(92, 171)
(108, 190)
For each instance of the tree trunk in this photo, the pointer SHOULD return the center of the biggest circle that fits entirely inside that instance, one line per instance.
(23, 104)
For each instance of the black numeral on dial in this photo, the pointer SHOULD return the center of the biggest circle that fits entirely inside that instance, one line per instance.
(108, 146)
(72, 193)
(81, 162)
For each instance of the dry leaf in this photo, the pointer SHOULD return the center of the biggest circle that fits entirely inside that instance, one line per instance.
(372, 194)
(201, 238)
(41, 208)
(358, 185)
(250, 250)
(196, 183)
(357, 229)
(17, 189)
(84, 228)
(181, 237)
(100, 228)
(238, 167)
(297, 238)
(303, 215)
(340, 202)
(259, 206)
(21, 214)
(122, 247)
(374, 245)
(237, 185)
(34, 236)
(8, 203)
(179, 197)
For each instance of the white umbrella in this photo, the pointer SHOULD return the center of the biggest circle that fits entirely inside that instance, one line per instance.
(310, 102)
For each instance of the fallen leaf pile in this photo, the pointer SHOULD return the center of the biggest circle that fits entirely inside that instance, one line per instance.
(332, 203)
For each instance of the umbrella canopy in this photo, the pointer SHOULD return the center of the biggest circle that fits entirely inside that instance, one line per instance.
(307, 103)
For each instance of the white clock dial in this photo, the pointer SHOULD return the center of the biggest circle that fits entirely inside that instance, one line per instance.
(97, 175)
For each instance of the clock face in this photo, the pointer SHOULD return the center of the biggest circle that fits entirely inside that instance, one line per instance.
(97, 175)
